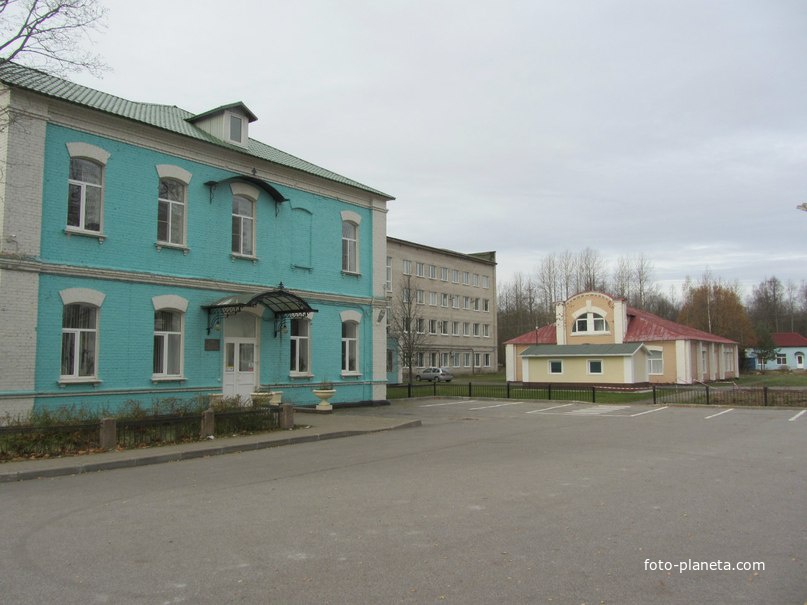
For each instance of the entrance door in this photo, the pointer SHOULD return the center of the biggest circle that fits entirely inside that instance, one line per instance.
(239, 368)
(240, 372)
(800, 360)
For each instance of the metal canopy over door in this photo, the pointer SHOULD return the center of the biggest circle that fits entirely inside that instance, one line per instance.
(241, 360)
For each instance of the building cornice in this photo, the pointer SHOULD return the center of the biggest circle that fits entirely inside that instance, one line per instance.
(11, 263)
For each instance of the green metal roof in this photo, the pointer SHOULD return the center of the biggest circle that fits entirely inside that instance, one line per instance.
(166, 117)
(585, 350)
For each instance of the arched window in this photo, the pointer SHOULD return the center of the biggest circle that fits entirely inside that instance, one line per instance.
(300, 340)
(79, 341)
(167, 344)
(243, 226)
(171, 212)
(350, 242)
(172, 204)
(350, 347)
(85, 196)
(589, 323)
(85, 184)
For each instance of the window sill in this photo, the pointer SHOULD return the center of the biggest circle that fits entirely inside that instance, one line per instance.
(64, 381)
(157, 379)
(294, 375)
(302, 267)
(351, 374)
(350, 273)
(69, 231)
(235, 257)
(179, 247)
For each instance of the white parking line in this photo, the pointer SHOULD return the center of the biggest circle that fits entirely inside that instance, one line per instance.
(552, 408)
(719, 414)
(434, 405)
(598, 410)
(797, 416)
(649, 411)
(498, 405)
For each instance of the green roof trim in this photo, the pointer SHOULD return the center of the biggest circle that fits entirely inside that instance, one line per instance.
(165, 117)
(585, 350)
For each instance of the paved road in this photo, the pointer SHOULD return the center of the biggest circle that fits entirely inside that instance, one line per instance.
(488, 501)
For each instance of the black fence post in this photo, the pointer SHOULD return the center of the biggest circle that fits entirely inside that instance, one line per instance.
(409, 390)
(765, 395)
(594, 394)
(508, 390)
(549, 391)
(707, 394)
(654, 395)
(470, 389)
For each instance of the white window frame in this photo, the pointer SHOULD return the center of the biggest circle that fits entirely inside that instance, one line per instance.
(351, 249)
(171, 304)
(300, 347)
(87, 298)
(167, 172)
(406, 267)
(589, 369)
(419, 270)
(95, 155)
(250, 194)
(350, 347)
(655, 362)
(550, 366)
(591, 322)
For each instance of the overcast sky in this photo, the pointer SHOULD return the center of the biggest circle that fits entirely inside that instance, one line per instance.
(674, 129)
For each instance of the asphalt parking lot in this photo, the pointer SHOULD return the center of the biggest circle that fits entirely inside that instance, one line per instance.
(487, 501)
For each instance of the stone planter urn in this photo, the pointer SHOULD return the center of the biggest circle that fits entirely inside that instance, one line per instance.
(324, 395)
(261, 399)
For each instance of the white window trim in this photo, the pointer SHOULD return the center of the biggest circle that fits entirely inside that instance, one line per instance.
(244, 128)
(549, 367)
(308, 373)
(89, 297)
(252, 194)
(348, 216)
(588, 367)
(351, 316)
(80, 150)
(661, 359)
(169, 171)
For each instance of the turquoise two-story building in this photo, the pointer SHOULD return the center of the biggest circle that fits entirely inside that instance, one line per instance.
(148, 252)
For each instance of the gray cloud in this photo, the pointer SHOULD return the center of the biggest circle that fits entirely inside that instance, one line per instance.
(672, 129)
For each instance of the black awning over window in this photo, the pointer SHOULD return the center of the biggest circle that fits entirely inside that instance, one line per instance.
(260, 183)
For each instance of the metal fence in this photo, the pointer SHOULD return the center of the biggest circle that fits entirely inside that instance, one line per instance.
(69, 439)
(35, 442)
(654, 394)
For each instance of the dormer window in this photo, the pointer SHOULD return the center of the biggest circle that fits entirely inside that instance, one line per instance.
(590, 323)
(228, 123)
(236, 129)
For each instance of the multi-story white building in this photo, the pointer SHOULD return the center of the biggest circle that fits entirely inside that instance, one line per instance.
(454, 308)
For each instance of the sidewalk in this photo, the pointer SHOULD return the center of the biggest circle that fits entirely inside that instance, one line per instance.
(318, 428)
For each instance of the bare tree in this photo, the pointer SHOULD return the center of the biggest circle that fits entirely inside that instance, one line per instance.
(47, 34)
(406, 326)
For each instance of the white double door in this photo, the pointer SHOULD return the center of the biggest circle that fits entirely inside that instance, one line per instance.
(240, 374)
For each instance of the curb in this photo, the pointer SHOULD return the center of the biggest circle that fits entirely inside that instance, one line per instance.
(215, 450)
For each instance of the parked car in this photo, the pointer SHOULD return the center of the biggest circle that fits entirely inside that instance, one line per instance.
(435, 374)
